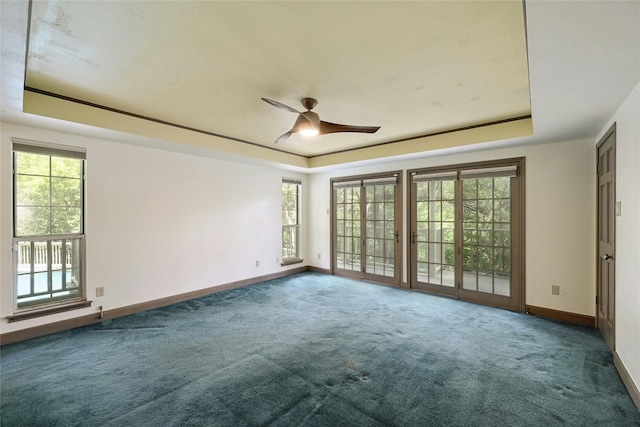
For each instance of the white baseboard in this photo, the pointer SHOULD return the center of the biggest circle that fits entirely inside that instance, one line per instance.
(632, 388)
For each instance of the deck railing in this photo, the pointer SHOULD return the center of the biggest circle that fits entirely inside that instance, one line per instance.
(37, 253)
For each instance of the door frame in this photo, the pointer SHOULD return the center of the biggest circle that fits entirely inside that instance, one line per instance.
(518, 251)
(609, 339)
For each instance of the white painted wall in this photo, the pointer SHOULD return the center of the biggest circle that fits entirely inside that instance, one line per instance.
(158, 223)
(560, 218)
(627, 256)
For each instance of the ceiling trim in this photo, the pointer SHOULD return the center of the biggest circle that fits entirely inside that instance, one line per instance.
(497, 131)
(152, 119)
(429, 135)
(58, 107)
(49, 104)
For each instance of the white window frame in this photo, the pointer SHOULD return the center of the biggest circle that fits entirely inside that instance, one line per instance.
(53, 245)
(292, 229)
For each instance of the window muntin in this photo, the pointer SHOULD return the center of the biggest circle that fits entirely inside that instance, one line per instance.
(291, 220)
(48, 225)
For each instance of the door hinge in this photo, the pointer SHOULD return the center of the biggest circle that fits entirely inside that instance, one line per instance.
(598, 168)
(596, 299)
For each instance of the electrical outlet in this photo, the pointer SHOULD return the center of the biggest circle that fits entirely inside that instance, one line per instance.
(100, 291)
(318, 255)
(257, 263)
(277, 260)
(555, 290)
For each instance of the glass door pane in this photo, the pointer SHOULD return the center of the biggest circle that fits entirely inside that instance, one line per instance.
(435, 232)
(486, 235)
(380, 229)
(348, 244)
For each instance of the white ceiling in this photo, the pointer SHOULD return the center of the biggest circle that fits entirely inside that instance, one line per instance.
(414, 68)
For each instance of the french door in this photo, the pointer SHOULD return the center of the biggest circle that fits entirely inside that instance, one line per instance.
(366, 224)
(466, 232)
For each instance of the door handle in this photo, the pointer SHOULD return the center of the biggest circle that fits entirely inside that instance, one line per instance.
(607, 257)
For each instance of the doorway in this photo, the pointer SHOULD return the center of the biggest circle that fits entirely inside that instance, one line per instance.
(366, 224)
(606, 286)
(466, 237)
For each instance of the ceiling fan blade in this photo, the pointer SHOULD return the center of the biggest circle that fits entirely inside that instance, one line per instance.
(326, 127)
(283, 137)
(280, 105)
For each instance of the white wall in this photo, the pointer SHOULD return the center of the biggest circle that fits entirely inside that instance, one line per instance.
(560, 218)
(627, 255)
(158, 223)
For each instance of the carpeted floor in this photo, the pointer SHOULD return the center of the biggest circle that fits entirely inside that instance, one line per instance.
(316, 350)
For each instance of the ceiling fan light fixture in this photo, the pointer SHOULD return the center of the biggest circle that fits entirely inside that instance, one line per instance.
(310, 131)
(308, 123)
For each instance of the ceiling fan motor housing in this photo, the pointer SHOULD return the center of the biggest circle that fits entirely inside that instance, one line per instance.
(309, 103)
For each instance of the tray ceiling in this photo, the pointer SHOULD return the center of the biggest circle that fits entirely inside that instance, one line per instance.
(194, 72)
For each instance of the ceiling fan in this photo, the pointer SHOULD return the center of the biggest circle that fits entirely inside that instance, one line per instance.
(308, 123)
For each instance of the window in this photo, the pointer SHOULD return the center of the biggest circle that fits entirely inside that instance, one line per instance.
(48, 224)
(291, 221)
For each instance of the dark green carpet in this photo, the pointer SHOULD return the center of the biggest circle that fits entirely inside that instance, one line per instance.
(316, 350)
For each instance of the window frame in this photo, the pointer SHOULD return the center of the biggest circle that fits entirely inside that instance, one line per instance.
(297, 257)
(52, 304)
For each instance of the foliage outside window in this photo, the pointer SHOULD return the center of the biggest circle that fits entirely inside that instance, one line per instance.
(48, 225)
(486, 223)
(290, 221)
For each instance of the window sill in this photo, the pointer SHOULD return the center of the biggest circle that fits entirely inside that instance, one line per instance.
(32, 314)
(290, 262)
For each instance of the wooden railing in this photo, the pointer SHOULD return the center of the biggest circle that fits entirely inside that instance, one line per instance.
(38, 253)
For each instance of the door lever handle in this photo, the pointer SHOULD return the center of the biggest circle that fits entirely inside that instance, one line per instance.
(607, 257)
